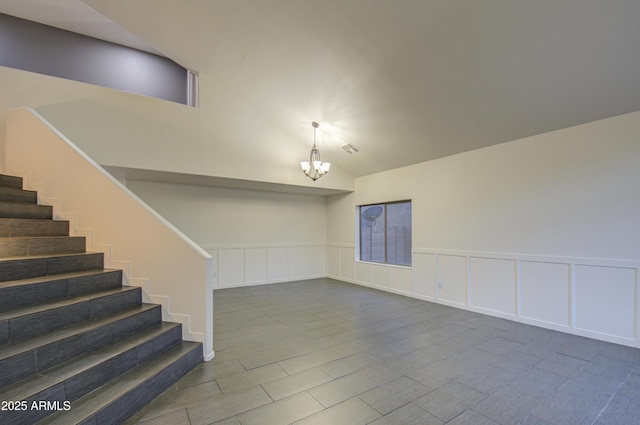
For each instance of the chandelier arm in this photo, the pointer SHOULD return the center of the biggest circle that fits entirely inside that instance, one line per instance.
(315, 168)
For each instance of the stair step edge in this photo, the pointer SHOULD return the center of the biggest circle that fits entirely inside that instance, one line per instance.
(37, 342)
(31, 386)
(27, 246)
(102, 404)
(64, 302)
(16, 268)
(55, 277)
(7, 180)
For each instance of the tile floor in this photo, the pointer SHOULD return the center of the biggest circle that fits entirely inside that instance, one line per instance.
(326, 352)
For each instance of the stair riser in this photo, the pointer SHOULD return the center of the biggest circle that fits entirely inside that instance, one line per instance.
(10, 181)
(23, 295)
(67, 349)
(57, 245)
(75, 263)
(83, 383)
(31, 416)
(19, 366)
(27, 227)
(125, 407)
(35, 267)
(16, 210)
(23, 247)
(99, 282)
(68, 328)
(9, 194)
(46, 321)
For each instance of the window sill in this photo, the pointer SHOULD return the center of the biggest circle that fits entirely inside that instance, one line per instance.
(396, 266)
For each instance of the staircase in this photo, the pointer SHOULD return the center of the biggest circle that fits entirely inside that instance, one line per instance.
(75, 345)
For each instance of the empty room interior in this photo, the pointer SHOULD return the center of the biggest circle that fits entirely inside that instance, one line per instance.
(353, 211)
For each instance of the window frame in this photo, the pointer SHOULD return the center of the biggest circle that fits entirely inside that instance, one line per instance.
(359, 211)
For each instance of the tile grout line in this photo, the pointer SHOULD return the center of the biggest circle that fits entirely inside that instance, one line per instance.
(609, 400)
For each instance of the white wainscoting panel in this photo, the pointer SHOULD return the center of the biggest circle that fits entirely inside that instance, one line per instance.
(424, 275)
(596, 298)
(605, 300)
(492, 284)
(333, 261)
(255, 266)
(544, 292)
(278, 264)
(347, 263)
(451, 282)
(306, 262)
(318, 261)
(380, 276)
(231, 267)
(401, 280)
(363, 273)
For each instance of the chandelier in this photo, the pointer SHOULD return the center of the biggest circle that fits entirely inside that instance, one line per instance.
(314, 168)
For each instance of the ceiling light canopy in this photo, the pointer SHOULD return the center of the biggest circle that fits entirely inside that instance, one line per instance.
(315, 168)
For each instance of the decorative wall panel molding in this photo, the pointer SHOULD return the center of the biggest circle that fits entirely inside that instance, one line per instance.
(592, 297)
(262, 264)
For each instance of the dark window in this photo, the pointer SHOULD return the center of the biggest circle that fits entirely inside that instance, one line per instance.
(385, 233)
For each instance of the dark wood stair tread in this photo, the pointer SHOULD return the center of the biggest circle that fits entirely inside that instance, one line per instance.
(39, 341)
(112, 403)
(35, 384)
(43, 279)
(69, 330)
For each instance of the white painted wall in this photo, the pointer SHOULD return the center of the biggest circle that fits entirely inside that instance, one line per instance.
(132, 131)
(254, 237)
(542, 230)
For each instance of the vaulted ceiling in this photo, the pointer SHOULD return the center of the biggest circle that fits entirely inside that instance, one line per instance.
(402, 81)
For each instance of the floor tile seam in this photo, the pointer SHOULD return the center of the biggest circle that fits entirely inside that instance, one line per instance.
(316, 399)
(155, 415)
(610, 399)
(474, 411)
(359, 397)
(506, 337)
(384, 381)
(267, 392)
(235, 414)
(572, 357)
(469, 407)
(249, 369)
(188, 417)
(397, 408)
(188, 404)
(408, 402)
(250, 386)
(316, 365)
(636, 363)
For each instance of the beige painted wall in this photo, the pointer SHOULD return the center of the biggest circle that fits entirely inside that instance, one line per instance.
(127, 130)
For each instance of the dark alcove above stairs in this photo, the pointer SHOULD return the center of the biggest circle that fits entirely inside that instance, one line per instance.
(75, 345)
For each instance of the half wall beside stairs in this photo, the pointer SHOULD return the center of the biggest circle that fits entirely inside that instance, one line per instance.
(75, 345)
(171, 269)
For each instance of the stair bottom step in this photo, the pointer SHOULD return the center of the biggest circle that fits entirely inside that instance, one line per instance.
(115, 401)
(123, 397)
(81, 375)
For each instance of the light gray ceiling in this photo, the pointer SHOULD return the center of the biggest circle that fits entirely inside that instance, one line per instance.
(403, 81)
